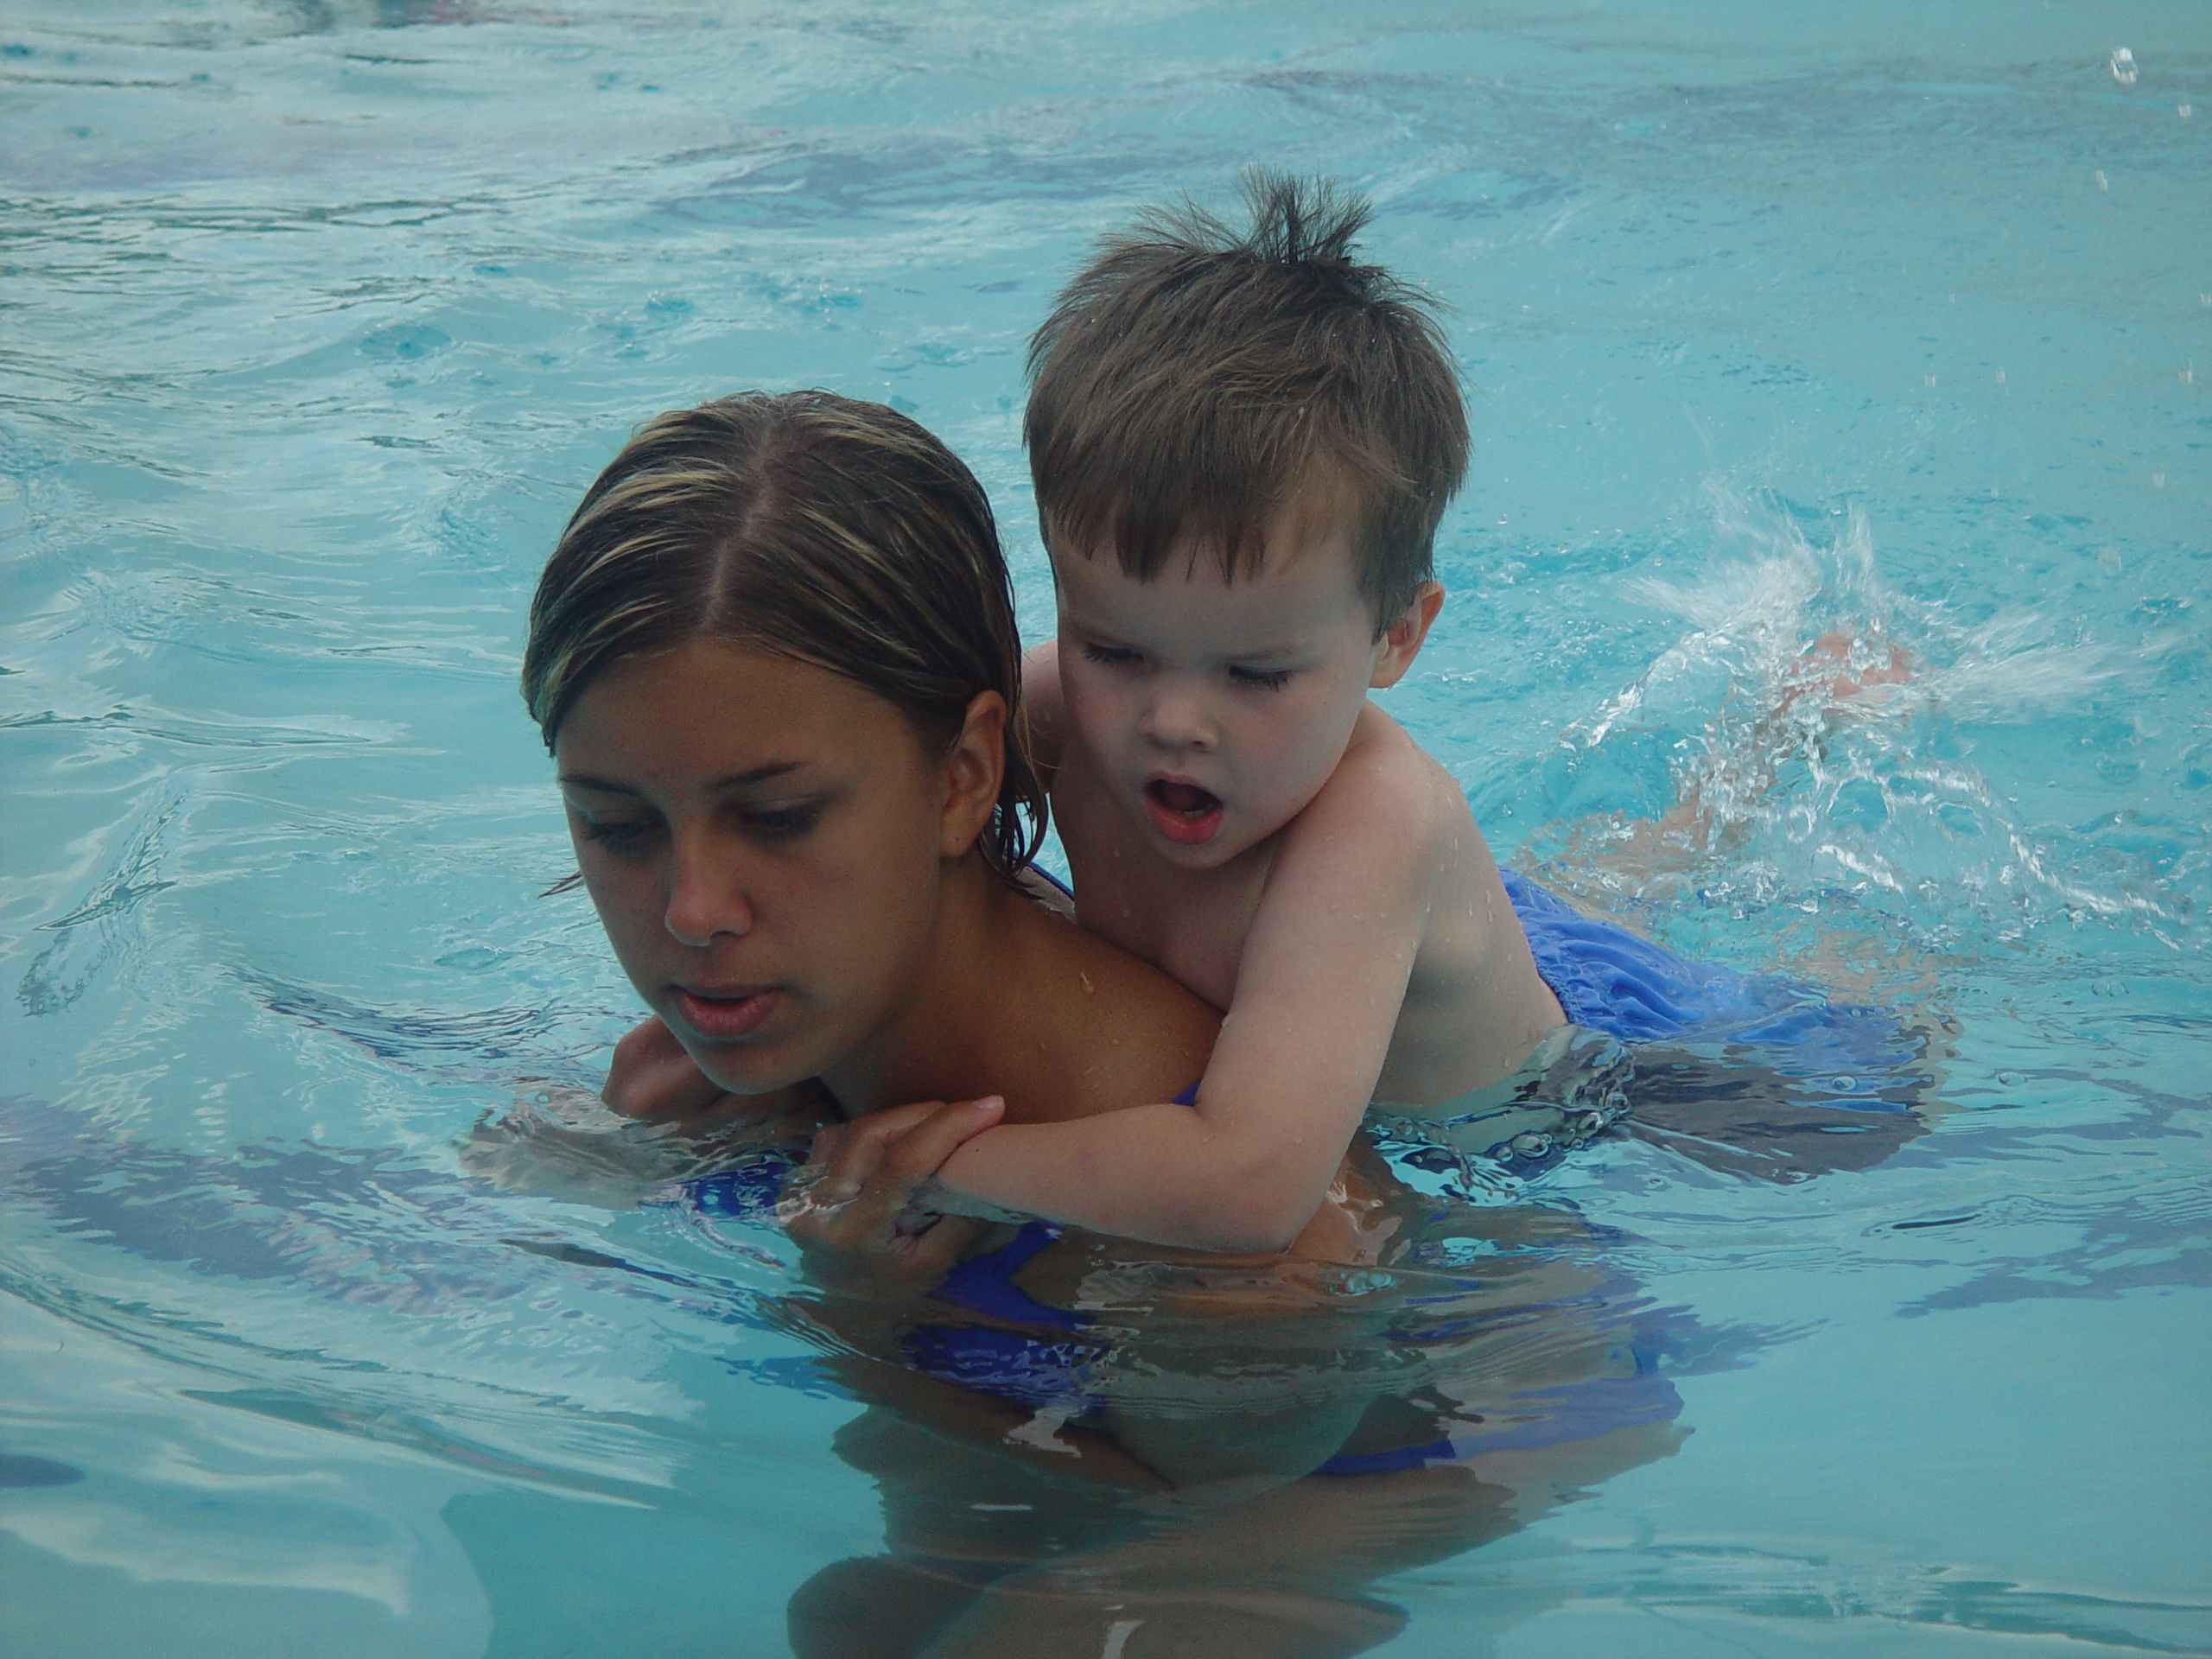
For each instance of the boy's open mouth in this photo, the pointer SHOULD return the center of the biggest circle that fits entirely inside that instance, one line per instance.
(1183, 812)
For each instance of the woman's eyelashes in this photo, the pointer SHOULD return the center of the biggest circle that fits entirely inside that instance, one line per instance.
(616, 835)
(773, 822)
(783, 821)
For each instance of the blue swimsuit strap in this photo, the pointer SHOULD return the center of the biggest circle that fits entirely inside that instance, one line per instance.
(984, 1284)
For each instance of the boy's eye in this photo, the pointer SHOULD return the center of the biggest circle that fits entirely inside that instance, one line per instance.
(1114, 655)
(1268, 679)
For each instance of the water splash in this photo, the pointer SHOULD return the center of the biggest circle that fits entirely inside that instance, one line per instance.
(1819, 730)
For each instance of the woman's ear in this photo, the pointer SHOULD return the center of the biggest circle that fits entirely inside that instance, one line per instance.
(974, 767)
(1402, 641)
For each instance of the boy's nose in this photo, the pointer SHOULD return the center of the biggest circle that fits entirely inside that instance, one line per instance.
(705, 898)
(1175, 721)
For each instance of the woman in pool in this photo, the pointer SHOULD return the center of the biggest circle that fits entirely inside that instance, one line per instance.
(774, 657)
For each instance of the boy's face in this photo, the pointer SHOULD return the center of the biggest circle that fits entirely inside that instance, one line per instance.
(1216, 710)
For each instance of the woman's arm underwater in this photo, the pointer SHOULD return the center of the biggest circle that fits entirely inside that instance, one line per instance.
(864, 1243)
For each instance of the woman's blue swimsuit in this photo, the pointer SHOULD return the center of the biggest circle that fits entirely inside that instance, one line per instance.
(1606, 979)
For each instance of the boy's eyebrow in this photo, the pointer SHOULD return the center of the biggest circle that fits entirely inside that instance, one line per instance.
(761, 774)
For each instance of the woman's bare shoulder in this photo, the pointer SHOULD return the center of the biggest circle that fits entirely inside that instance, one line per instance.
(1109, 1028)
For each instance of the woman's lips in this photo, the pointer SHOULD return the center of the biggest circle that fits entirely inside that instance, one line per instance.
(723, 1016)
(1182, 811)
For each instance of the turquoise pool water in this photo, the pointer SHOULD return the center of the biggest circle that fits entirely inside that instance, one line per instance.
(317, 317)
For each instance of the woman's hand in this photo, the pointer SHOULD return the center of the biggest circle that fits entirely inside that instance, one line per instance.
(850, 1208)
(652, 1077)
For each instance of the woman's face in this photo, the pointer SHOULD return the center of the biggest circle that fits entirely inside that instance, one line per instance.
(765, 841)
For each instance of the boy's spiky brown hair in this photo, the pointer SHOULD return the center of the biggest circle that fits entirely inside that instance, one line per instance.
(1199, 378)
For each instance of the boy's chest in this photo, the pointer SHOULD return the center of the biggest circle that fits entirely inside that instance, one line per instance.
(1190, 924)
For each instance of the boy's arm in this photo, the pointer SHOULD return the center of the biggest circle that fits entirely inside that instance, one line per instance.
(1318, 990)
(1043, 708)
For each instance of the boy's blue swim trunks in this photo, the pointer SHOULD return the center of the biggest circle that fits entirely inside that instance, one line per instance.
(1607, 979)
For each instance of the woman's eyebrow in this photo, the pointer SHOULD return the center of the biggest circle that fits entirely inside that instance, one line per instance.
(757, 775)
(760, 774)
(600, 786)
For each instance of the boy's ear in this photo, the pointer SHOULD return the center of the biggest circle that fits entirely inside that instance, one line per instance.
(1402, 641)
(974, 768)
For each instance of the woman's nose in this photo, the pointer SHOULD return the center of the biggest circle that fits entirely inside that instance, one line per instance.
(706, 898)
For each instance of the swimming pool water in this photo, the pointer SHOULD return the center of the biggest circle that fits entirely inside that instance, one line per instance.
(318, 316)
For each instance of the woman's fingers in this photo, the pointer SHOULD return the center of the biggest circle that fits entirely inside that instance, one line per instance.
(849, 1155)
(887, 1154)
(930, 1253)
(650, 1076)
(861, 1180)
(921, 1149)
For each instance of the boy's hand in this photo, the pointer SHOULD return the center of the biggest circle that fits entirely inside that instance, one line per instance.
(651, 1076)
(849, 1209)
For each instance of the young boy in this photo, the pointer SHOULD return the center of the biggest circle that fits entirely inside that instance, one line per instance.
(1242, 442)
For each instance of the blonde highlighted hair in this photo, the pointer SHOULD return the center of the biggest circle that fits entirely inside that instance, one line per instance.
(806, 525)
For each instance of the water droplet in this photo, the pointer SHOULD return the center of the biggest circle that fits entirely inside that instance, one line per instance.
(2000, 377)
(1927, 380)
(2185, 110)
(2010, 1079)
(2103, 183)
(2123, 67)
(2158, 480)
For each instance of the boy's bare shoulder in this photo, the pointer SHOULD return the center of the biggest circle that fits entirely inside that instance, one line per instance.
(1388, 792)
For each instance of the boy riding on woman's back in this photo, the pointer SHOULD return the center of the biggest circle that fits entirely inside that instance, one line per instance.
(1242, 442)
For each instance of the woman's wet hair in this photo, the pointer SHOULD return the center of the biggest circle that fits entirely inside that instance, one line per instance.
(803, 525)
